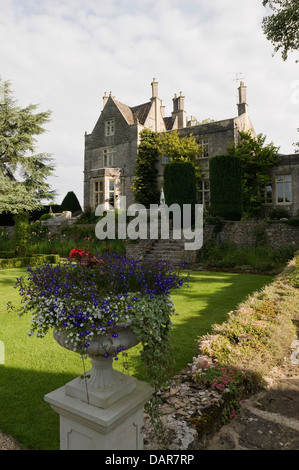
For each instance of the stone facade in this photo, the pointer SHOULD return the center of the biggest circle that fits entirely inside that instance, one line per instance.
(283, 191)
(111, 149)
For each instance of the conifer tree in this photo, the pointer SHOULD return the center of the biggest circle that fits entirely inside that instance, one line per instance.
(23, 173)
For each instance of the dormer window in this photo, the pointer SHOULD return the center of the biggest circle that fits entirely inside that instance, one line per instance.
(109, 127)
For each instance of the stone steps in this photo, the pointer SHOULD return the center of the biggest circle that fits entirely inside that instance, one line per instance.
(167, 250)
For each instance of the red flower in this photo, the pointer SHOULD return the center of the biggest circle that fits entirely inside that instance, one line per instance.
(85, 256)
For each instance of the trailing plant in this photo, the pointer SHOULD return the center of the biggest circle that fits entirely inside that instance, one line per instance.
(88, 296)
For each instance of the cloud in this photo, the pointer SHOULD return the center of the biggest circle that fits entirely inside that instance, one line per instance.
(65, 54)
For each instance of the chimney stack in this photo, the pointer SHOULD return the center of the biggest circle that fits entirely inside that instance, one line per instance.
(242, 106)
(178, 110)
(105, 99)
(154, 88)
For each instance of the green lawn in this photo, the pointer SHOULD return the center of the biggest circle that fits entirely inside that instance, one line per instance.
(34, 367)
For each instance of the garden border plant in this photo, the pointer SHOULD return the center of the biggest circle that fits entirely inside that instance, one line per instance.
(257, 334)
(237, 355)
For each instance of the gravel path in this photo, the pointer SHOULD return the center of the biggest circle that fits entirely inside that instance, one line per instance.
(8, 443)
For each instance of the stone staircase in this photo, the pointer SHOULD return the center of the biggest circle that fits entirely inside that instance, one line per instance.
(166, 250)
(171, 250)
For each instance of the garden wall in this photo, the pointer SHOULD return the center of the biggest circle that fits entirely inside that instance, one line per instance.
(252, 233)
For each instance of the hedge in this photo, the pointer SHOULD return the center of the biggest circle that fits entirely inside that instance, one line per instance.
(226, 187)
(33, 260)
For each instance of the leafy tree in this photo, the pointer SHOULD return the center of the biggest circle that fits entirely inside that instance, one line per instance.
(23, 174)
(179, 148)
(282, 26)
(282, 29)
(256, 161)
(144, 185)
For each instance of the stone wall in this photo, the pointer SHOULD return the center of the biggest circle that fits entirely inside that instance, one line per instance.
(251, 233)
(239, 234)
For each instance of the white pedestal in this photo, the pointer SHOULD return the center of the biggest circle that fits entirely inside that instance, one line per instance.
(84, 426)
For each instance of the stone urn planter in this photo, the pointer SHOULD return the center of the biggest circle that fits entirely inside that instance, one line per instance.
(102, 385)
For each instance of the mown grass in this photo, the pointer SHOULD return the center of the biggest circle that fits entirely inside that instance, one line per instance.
(34, 367)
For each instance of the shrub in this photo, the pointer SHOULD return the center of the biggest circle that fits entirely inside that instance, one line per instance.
(70, 203)
(46, 217)
(278, 213)
(293, 222)
(180, 184)
(226, 187)
(87, 217)
(34, 260)
(21, 234)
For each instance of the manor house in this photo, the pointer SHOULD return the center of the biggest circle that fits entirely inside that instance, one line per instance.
(111, 149)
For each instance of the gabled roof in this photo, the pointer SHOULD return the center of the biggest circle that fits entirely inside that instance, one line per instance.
(131, 115)
(125, 111)
(141, 112)
(168, 121)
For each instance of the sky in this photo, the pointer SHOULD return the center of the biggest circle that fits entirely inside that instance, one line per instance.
(63, 55)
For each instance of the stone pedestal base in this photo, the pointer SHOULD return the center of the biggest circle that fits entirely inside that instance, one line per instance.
(85, 426)
(104, 385)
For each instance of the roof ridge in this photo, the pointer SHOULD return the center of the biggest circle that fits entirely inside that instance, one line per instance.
(125, 111)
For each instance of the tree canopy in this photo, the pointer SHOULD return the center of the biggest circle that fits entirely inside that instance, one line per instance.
(177, 147)
(144, 185)
(282, 26)
(256, 160)
(23, 173)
